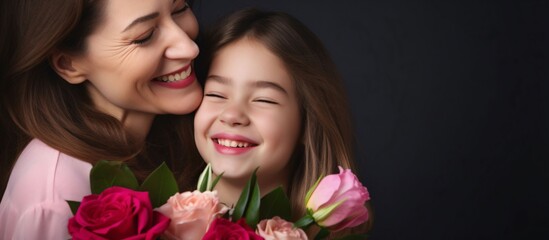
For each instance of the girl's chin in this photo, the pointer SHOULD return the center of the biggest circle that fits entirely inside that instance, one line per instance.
(236, 179)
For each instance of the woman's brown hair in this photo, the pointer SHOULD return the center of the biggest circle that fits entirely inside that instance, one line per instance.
(38, 103)
(327, 137)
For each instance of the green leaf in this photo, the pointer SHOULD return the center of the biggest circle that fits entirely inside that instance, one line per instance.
(242, 203)
(275, 203)
(74, 205)
(354, 237)
(252, 210)
(311, 190)
(161, 185)
(216, 180)
(322, 234)
(204, 179)
(105, 174)
(325, 212)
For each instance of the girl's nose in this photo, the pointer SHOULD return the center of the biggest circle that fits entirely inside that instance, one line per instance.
(234, 115)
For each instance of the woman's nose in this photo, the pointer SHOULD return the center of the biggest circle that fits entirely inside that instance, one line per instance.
(181, 45)
(234, 115)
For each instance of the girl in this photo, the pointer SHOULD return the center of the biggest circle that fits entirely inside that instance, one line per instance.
(274, 100)
(84, 81)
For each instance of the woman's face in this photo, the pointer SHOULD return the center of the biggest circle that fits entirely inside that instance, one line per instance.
(140, 58)
(249, 116)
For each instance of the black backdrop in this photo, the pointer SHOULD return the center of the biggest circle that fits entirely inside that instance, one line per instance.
(450, 106)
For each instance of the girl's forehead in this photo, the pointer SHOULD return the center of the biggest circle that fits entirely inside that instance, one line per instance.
(251, 60)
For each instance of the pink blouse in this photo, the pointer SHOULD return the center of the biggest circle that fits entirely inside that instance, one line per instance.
(34, 205)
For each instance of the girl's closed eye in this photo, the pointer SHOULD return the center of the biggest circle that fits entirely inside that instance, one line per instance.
(214, 95)
(266, 100)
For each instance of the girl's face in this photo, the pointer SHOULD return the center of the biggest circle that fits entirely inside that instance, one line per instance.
(249, 116)
(140, 58)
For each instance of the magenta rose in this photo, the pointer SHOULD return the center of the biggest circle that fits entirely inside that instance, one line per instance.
(222, 228)
(117, 213)
(338, 201)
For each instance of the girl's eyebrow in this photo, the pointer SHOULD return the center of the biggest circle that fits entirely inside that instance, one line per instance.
(219, 79)
(142, 19)
(271, 85)
(256, 84)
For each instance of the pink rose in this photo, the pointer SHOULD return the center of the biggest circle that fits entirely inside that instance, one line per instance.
(224, 229)
(117, 213)
(338, 201)
(191, 214)
(279, 229)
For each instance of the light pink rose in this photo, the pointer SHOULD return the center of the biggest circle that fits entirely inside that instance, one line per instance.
(338, 201)
(191, 214)
(279, 229)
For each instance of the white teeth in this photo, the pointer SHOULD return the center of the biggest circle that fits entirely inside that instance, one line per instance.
(176, 76)
(231, 143)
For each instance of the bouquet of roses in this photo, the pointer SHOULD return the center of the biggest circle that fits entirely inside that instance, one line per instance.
(120, 208)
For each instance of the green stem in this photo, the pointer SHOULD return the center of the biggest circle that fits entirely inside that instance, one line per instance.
(304, 222)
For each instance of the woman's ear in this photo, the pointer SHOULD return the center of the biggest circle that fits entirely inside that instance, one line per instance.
(64, 65)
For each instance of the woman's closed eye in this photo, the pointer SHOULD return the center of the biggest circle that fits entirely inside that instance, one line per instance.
(184, 6)
(145, 39)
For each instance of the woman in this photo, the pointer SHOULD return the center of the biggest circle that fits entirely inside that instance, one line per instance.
(85, 81)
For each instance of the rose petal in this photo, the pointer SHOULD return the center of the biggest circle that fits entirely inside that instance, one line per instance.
(348, 180)
(191, 213)
(117, 213)
(279, 229)
(193, 229)
(324, 192)
(354, 201)
(161, 223)
(359, 217)
(224, 229)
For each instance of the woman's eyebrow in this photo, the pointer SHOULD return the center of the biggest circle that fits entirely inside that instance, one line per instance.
(142, 19)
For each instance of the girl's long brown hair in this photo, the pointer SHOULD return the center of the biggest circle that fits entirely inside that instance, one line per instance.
(327, 136)
(37, 103)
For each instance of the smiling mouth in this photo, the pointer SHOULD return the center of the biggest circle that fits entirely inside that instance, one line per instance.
(233, 143)
(176, 76)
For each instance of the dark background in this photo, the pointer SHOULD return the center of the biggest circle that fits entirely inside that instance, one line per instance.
(451, 109)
